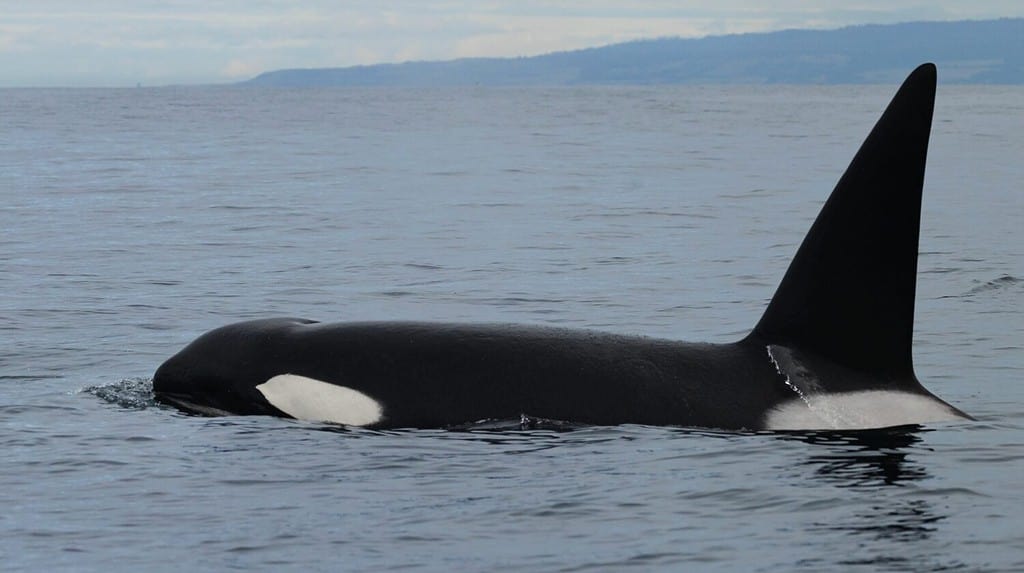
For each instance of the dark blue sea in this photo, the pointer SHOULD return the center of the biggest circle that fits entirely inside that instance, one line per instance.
(133, 220)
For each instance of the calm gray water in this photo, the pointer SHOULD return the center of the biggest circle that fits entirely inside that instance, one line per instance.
(134, 220)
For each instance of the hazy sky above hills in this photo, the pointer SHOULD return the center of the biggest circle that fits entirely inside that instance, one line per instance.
(124, 42)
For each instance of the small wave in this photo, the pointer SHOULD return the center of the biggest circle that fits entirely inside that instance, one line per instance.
(523, 423)
(132, 393)
(1001, 283)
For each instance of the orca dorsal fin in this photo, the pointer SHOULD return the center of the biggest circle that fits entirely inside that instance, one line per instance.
(848, 295)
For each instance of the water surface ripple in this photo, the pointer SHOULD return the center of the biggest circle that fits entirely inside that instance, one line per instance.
(134, 220)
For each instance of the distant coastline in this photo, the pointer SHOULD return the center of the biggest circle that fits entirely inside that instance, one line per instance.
(970, 52)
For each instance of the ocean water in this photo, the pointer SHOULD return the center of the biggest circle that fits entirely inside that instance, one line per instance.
(133, 220)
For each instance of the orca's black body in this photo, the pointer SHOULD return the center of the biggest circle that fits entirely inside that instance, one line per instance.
(833, 349)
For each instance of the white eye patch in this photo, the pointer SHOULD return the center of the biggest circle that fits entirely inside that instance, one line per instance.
(309, 399)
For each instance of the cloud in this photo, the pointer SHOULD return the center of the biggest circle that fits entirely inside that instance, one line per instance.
(241, 69)
(531, 35)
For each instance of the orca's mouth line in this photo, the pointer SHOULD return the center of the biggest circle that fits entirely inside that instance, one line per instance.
(179, 401)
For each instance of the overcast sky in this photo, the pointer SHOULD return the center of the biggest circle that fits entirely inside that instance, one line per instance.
(125, 42)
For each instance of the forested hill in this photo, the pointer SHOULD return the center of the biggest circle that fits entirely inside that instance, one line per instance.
(988, 51)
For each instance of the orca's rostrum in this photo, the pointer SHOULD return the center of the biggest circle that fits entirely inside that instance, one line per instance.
(832, 351)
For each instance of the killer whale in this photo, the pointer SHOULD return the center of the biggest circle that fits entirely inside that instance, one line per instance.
(831, 351)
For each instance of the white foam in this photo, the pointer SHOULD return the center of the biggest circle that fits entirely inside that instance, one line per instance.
(858, 411)
(310, 399)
